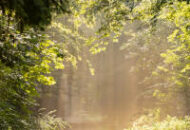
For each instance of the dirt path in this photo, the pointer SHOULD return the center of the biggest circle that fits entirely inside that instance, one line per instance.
(94, 126)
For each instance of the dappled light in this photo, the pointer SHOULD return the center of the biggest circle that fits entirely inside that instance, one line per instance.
(95, 65)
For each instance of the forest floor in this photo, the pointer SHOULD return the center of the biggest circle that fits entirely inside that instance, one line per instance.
(94, 126)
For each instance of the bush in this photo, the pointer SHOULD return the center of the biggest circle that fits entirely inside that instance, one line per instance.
(153, 122)
(49, 121)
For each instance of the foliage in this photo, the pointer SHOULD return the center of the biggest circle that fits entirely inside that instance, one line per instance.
(176, 58)
(162, 53)
(50, 122)
(26, 61)
(27, 57)
(153, 122)
(33, 13)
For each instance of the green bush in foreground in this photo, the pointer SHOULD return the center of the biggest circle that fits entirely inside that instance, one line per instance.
(49, 121)
(153, 122)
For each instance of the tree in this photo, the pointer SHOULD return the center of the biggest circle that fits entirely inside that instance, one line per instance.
(33, 13)
(27, 58)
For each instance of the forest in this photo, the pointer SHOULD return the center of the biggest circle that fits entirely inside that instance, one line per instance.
(94, 64)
